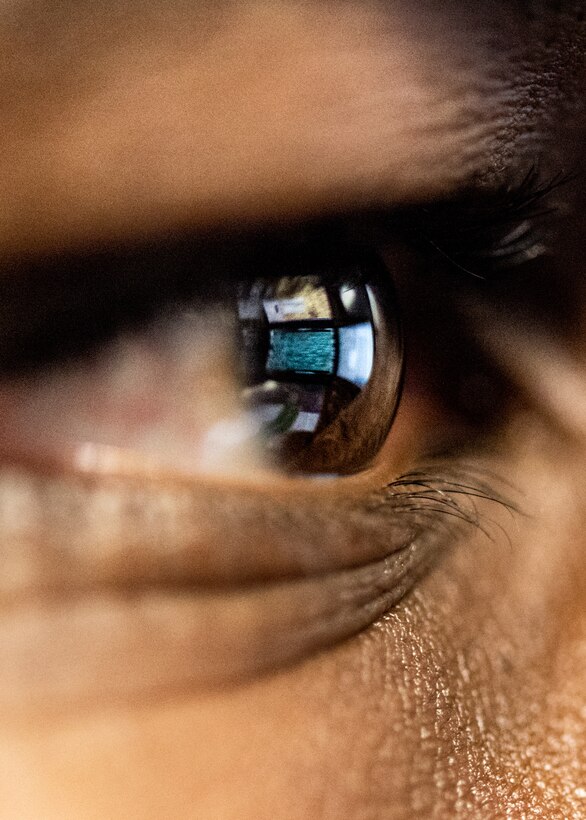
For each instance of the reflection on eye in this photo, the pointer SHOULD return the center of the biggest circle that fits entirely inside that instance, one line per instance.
(321, 363)
(297, 373)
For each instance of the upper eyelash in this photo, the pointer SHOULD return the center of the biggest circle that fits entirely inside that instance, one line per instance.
(484, 235)
(74, 301)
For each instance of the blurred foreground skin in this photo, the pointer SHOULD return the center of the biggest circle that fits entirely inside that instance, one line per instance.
(468, 700)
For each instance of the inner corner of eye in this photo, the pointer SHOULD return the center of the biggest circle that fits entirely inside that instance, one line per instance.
(297, 373)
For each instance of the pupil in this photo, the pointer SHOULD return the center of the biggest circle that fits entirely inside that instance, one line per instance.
(321, 367)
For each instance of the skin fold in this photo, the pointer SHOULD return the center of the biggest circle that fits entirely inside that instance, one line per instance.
(179, 647)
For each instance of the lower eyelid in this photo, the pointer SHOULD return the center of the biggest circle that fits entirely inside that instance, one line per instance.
(62, 534)
(110, 576)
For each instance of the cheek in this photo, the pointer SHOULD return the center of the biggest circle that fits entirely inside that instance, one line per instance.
(464, 701)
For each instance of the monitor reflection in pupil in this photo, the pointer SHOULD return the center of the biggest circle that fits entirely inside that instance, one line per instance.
(317, 356)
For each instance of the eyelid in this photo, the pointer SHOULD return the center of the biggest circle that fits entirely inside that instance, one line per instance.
(137, 618)
(68, 531)
(87, 531)
(92, 292)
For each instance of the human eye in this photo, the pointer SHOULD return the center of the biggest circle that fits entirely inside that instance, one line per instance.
(231, 401)
(291, 450)
(282, 352)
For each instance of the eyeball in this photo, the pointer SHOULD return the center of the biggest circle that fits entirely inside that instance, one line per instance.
(295, 371)
(321, 363)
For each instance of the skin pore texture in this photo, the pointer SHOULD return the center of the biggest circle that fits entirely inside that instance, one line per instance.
(160, 635)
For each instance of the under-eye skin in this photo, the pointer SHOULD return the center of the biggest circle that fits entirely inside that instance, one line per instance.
(294, 574)
(259, 565)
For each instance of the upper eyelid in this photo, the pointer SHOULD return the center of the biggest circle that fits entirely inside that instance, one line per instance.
(66, 304)
(470, 211)
(481, 232)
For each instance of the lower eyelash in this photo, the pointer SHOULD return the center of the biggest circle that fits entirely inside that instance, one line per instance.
(168, 629)
(451, 493)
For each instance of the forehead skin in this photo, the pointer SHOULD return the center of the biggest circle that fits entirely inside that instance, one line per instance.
(143, 117)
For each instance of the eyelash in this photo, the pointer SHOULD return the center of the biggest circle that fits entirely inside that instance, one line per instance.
(443, 490)
(437, 498)
(481, 236)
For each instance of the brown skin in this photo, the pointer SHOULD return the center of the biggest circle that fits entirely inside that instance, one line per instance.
(467, 699)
